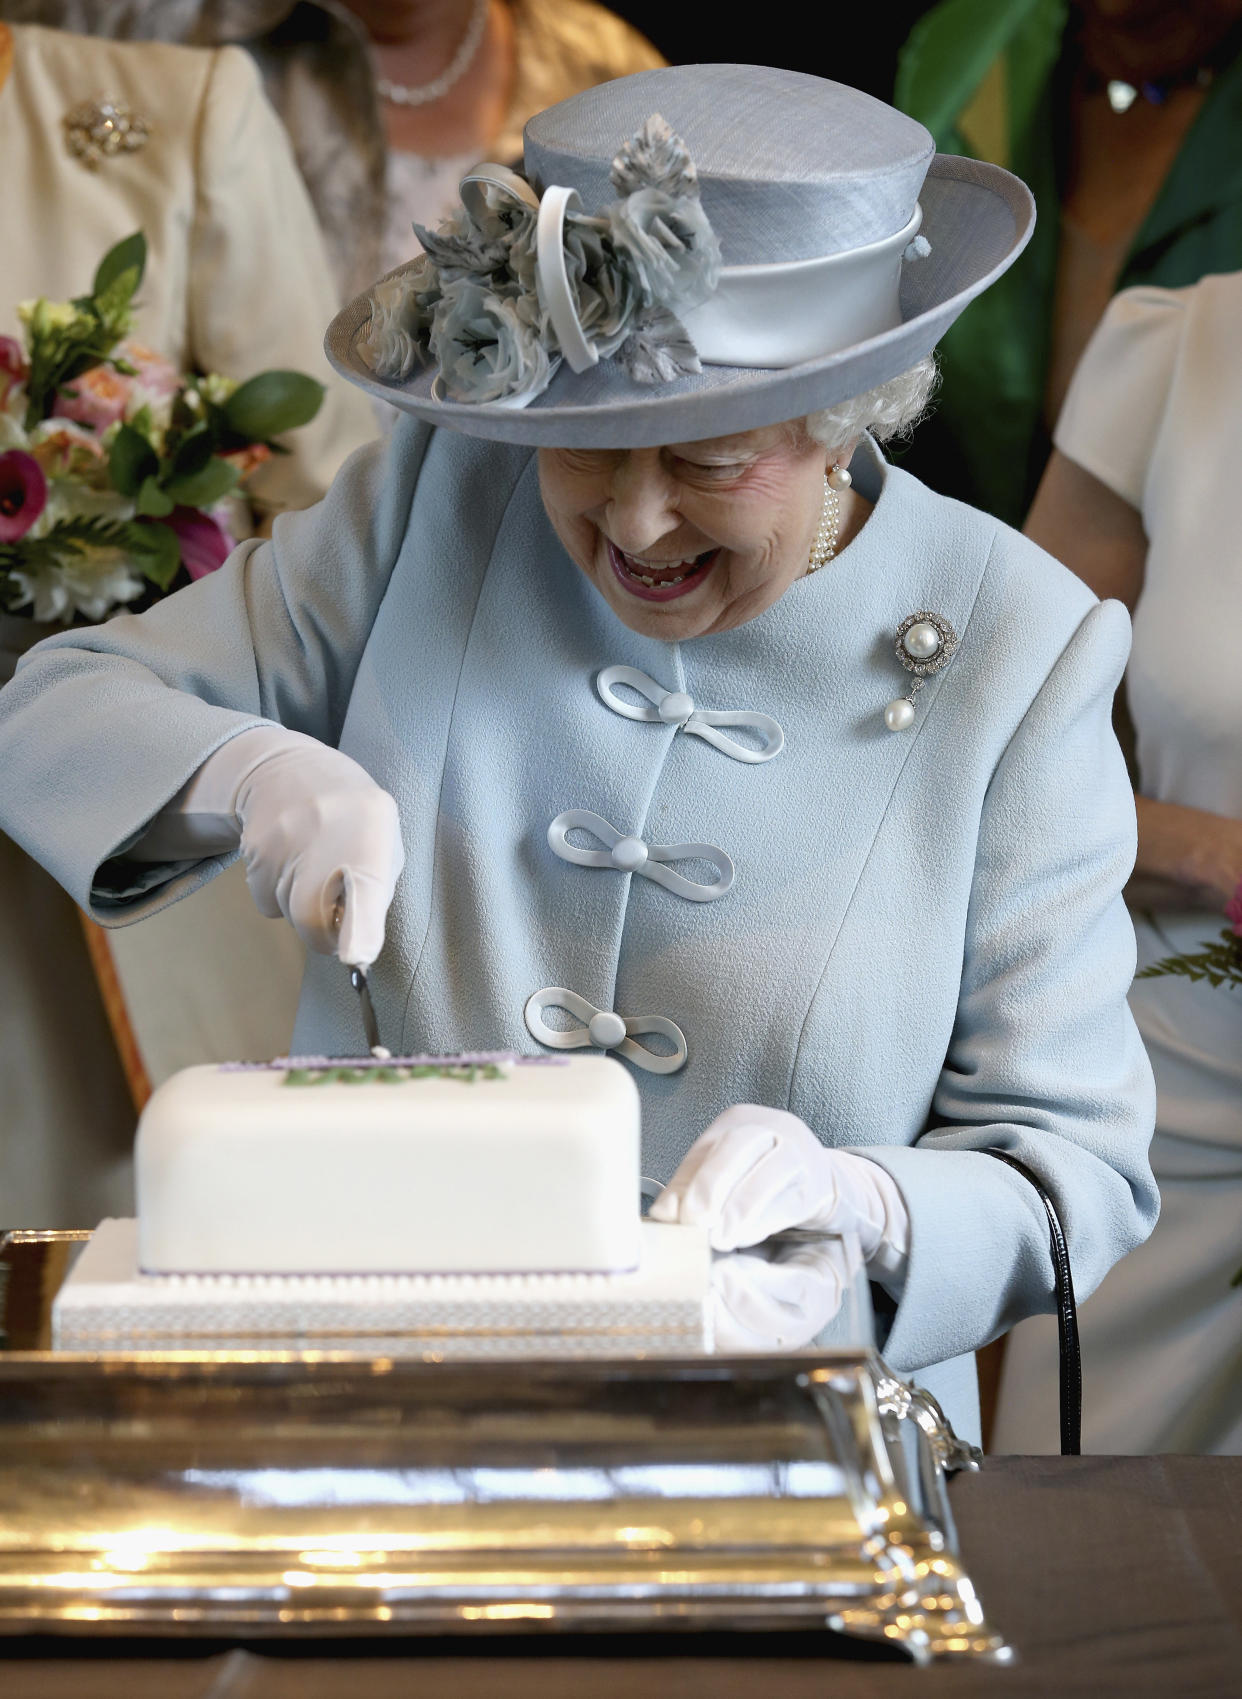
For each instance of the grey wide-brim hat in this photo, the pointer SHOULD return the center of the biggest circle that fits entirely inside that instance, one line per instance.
(847, 246)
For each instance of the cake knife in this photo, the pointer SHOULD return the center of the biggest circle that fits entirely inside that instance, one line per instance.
(358, 979)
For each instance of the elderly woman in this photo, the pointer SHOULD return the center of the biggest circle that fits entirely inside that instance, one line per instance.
(701, 736)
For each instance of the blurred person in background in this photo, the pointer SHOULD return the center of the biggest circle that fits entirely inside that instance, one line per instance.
(1139, 500)
(236, 282)
(1125, 117)
(387, 101)
(794, 37)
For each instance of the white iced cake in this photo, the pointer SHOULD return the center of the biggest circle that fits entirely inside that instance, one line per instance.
(488, 1164)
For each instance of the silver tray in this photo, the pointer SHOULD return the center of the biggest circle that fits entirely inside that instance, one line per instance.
(327, 1492)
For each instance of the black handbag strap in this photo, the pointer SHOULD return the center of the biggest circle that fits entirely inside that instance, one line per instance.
(1067, 1313)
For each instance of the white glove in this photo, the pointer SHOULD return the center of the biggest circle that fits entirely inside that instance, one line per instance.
(757, 1171)
(779, 1297)
(321, 841)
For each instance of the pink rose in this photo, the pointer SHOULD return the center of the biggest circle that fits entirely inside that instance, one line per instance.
(1233, 911)
(204, 544)
(23, 494)
(96, 399)
(67, 449)
(248, 459)
(153, 373)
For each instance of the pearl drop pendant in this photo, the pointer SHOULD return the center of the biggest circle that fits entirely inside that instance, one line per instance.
(899, 715)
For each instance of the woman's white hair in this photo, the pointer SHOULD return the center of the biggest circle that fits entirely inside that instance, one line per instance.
(889, 410)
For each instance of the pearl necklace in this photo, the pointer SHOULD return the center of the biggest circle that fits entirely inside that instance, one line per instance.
(825, 544)
(422, 94)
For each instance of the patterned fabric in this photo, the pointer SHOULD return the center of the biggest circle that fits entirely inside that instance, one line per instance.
(316, 67)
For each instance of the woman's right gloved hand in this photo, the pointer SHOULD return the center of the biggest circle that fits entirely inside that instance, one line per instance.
(321, 841)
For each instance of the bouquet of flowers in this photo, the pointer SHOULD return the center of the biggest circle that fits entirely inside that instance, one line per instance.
(119, 476)
(1218, 963)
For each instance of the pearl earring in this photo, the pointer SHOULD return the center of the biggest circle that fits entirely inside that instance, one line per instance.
(839, 478)
(925, 643)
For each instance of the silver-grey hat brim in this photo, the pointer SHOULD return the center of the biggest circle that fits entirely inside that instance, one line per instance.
(977, 218)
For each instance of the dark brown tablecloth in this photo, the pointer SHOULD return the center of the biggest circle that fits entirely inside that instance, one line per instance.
(1108, 1575)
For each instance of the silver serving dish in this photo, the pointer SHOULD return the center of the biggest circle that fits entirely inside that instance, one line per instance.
(311, 1492)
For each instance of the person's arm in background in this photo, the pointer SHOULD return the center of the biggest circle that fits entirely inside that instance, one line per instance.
(261, 293)
(1187, 857)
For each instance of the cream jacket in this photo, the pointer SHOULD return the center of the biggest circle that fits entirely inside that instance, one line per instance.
(316, 68)
(236, 278)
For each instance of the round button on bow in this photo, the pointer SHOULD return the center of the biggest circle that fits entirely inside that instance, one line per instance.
(605, 1030)
(676, 708)
(629, 854)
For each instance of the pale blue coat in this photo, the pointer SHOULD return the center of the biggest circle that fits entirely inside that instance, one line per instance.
(925, 951)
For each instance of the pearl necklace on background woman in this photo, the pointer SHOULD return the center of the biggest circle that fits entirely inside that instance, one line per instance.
(422, 94)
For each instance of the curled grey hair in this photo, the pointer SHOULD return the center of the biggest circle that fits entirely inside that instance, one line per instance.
(889, 410)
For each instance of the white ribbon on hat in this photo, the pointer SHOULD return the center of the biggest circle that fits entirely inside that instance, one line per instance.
(758, 315)
(767, 316)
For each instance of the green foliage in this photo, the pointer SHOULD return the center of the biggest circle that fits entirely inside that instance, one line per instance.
(127, 259)
(154, 502)
(156, 553)
(1219, 964)
(272, 403)
(153, 549)
(131, 461)
(61, 352)
(206, 487)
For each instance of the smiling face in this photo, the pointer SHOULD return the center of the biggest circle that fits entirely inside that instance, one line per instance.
(695, 537)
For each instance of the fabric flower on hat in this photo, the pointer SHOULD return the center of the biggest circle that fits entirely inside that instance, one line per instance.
(607, 296)
(670, 247)
(473, 301)
(485, 346)
(394, 341)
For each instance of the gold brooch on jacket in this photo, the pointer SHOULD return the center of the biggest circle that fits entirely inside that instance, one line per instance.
(99, 129)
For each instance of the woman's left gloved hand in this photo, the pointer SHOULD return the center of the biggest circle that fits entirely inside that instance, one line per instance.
(779, 1297)
(758, 1171)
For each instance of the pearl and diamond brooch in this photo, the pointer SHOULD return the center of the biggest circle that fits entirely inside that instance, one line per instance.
(925, 643)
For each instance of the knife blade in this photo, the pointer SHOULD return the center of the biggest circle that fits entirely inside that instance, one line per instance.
(358, 979)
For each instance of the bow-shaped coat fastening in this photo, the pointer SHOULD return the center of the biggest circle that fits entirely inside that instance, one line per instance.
(675, 708)
(604, 1029)
(635, 855)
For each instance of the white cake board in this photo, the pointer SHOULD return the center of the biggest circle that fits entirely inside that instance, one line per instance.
(108, 1304)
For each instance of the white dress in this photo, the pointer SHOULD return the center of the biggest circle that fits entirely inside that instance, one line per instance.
(1155, 412)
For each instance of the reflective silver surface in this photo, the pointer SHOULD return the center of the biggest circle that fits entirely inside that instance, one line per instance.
(312, 1492)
